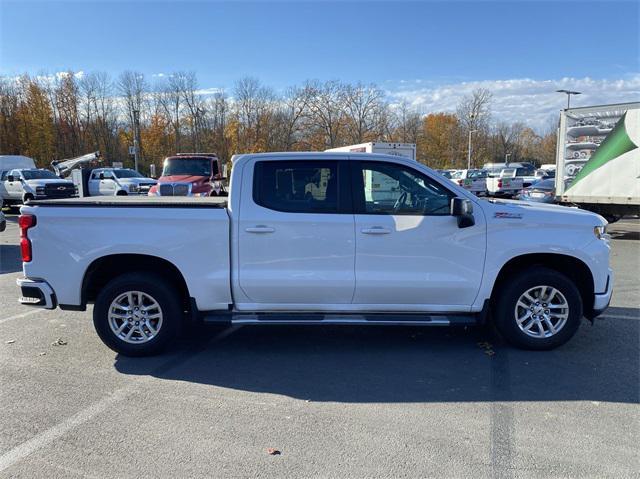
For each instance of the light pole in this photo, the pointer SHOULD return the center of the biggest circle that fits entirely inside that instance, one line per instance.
(136, 138)
(569, 93)
(469, 150)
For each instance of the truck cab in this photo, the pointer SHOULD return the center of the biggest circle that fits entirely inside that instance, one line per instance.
(22, 185)
(190, 174)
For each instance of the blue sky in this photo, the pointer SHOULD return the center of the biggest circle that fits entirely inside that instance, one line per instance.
(408, 48)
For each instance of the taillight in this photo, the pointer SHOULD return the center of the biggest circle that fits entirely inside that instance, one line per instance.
(499, 183)
(25, 222)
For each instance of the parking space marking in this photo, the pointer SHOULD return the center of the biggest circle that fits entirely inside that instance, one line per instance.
(619, 316)
(45, 438)
(21, 315)
(41, 440)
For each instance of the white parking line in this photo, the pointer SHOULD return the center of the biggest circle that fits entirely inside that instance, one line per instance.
(619, 316)
(23, 450)
(21, 315)
(47, 437)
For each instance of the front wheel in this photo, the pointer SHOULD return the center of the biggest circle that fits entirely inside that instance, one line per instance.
(538, 309)
(137, 314)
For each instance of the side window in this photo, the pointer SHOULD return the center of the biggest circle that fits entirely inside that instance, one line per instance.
(108, 175)
(296, 186)
(95, 175)
(394, 189)
(3, 176)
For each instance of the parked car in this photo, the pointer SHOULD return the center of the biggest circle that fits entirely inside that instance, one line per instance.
(474, 181)
(543, 191)
(190, 174)
(21, 185)
(445, 173)
(118, 181)
(542, 174)
(303, 239)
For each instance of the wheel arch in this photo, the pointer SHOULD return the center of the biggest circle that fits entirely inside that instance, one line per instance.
(574, 268)
(106, 268)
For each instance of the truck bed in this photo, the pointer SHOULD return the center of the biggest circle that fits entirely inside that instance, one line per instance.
(136, 202)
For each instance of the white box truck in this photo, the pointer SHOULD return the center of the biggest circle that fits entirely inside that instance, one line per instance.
(378, 186)
(598, 159)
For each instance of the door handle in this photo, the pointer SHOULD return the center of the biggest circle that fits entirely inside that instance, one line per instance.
(260, 229)
(376, 230)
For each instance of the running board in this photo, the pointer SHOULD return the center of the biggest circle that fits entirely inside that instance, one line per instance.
(376, 319)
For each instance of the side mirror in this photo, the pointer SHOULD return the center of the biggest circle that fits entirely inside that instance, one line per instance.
(11, 178)
(102, 176)
(462, 209)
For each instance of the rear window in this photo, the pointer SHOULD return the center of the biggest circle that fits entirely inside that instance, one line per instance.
(297, 186)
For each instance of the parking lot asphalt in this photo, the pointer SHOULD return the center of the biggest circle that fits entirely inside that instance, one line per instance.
(335, 401)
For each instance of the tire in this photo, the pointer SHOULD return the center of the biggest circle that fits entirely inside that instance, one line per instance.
(26, 198)
(564, 303)
(121, 193)
(107, 317)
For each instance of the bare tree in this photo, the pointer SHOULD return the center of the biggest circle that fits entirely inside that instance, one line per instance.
(326, 112)
(363, 107)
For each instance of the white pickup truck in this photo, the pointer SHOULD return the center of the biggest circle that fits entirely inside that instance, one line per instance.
(304, 239)
(505, 183)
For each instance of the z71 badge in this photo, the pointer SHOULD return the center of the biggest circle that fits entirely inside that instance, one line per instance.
(504, 214)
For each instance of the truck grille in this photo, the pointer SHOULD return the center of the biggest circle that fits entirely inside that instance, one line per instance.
(144, 188)
(174, 189)
(59, 190)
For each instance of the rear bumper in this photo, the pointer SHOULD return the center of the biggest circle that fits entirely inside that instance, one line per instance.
(601, 300)
(36, 292)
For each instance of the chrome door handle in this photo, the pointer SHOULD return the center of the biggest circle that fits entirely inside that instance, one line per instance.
(376, 230)
(260, 229)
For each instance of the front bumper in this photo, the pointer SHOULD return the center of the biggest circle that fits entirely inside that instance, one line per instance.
(601, 300)
(36, 292)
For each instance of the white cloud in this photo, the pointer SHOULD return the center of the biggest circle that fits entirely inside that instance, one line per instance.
(533, 102)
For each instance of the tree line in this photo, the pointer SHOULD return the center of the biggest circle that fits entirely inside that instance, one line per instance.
(69, 114)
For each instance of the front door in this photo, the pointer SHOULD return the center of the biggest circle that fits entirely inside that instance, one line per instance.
(410, 253)
(107, 184)
(14, 188)
(296, 237)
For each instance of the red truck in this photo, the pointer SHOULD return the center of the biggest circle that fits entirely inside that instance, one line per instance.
(191, 174)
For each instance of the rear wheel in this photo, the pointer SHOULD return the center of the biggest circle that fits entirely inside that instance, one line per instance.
(137, 314)
(538, 309)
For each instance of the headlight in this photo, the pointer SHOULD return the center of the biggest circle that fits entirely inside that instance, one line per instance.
(601, 232)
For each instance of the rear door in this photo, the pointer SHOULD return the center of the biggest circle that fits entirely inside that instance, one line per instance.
(410, 253)
(94, 183)
(296, 240)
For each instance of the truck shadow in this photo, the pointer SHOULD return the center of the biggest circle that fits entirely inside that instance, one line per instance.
(10, 259)
(407, 364)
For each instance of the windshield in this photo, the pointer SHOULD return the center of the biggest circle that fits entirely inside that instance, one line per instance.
(477, 174)
(127, 173)
(524, 171)
(39, 175)
(545, 185)
(187, 166)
